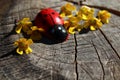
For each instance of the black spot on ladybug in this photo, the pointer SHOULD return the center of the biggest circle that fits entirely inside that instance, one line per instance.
(45, 15)
(53, 13)
(39, 15)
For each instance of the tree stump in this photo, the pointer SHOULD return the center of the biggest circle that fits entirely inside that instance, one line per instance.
(90, 56)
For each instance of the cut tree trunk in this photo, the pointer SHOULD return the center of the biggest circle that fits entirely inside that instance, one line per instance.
(90, 56)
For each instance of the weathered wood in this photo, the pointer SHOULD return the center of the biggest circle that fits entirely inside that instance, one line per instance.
(100, 57)
(96, 58)
(47, 61)
(90, 56)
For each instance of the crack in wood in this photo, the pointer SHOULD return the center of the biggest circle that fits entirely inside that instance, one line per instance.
(99, 58)
(103, 77)
(109, 43)
(75, 59)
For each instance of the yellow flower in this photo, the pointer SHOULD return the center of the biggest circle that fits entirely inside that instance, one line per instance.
(23, 46)
(24, 25)
(71, 30)
(92, 23)
(35, 33)
(71, 24)
(85, 12)
(104, 16)
(67, 10)
(73, 21)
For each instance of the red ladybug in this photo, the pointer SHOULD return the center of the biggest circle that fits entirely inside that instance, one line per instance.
(50, 20)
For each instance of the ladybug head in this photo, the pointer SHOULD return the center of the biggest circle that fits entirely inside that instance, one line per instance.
(59, 33)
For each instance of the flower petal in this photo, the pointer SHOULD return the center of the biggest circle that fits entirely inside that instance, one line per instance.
(41, 29)
(29, 41)
(18, 28)
(19, 51)
(84, 17)
(92, 28)
(66, 24)
(16, 43)
(28, 50)
(62, 14)
(71, 30)
(25, 19)
(34, 28)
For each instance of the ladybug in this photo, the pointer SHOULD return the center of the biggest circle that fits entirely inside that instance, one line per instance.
(52, 23)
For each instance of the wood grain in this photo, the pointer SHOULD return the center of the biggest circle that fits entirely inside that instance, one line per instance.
(91, 56)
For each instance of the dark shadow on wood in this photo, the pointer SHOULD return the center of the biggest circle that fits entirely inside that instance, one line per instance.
(13, 52)
(84, 31)
(48, 41)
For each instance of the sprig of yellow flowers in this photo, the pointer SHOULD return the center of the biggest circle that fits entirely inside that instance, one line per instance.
(76, 21)
(83, 18)
(33, 32)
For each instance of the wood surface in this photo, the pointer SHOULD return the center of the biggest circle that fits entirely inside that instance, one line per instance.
(89, 56)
